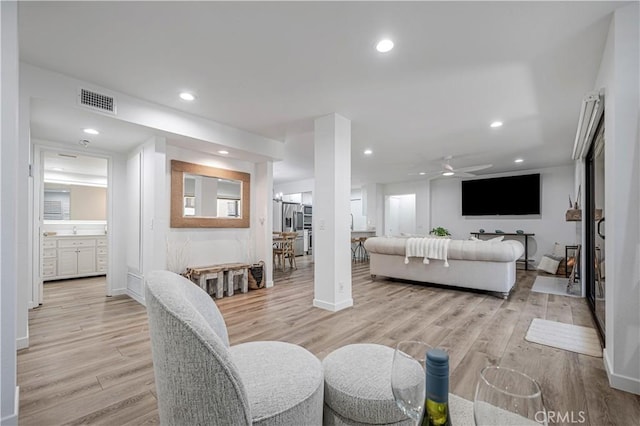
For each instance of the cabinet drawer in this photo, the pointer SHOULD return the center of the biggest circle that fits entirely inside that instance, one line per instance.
(102, 260)
(102, 268)
(76, 243)
(49, 272)
(101, 242)
(46, 243)
(101, 250)
(48, 263)
(49, 253)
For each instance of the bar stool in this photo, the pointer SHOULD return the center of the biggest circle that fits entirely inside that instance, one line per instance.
(359, 252)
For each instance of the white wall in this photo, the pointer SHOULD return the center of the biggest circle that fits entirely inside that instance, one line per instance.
(116, 234)
(618, 76)
(421, 189)
(299, 186)
(8, 210)
(550, 227)
(359, 219)
(212, 245)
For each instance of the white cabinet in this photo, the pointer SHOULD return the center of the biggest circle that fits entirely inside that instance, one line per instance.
(101, 255)
(49, 255)
(71, 257)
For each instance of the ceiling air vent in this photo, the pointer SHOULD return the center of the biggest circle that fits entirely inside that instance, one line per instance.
(97, 100)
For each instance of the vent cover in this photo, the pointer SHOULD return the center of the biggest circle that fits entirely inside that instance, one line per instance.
(97, 101)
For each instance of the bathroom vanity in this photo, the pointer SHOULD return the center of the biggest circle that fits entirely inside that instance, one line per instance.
(73, 256)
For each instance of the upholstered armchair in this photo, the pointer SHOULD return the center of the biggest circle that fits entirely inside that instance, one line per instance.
(202, 380)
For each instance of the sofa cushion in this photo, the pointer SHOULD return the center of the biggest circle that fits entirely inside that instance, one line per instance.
(494, 251)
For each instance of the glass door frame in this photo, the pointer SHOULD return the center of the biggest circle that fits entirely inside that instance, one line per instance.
(590, 230)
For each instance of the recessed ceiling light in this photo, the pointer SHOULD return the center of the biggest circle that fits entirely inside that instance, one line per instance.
(91, 131)
(422, 173)
(518, 160)
(496, 124)
(57, 169)
(223, 152)
(186, 96)
(448, 174)
(368, 152)
(384, 46)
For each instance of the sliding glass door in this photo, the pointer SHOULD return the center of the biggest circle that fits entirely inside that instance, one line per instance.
(595, 234)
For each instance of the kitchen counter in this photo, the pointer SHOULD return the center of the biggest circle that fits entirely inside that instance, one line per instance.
(356, 234)
(78, 235)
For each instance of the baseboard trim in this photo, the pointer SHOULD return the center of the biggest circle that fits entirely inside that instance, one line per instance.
(118, 292)
(22, 342)
(135, 296)
(333, 307)
(269, 284)
(618, 381)
(12, 419)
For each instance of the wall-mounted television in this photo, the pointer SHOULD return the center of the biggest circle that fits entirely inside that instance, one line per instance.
(511, 195)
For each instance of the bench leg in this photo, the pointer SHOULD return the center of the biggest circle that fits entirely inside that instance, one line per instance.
(219, 285)
(245, 280)
(203, 282)
(230, 275)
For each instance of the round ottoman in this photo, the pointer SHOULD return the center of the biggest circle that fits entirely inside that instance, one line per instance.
(357, 387)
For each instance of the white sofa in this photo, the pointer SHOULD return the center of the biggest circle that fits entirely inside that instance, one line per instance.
(482, 265)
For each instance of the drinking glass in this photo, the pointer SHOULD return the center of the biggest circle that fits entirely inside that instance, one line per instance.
(507, 397)
(408, 377)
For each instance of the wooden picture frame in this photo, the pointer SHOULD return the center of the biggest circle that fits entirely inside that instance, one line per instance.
(179, 220)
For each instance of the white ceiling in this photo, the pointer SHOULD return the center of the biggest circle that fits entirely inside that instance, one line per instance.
(271, 68)
(66, 125)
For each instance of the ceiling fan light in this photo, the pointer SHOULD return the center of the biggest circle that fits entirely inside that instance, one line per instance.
(447, 173)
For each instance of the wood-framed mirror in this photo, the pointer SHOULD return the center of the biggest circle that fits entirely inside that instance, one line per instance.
(208, 197)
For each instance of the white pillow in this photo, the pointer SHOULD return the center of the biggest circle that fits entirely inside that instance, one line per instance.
(496, 239)
(558, 250)
(548, 264)
(472, 238)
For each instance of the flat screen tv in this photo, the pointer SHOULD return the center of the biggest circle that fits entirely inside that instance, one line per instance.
(511, 195)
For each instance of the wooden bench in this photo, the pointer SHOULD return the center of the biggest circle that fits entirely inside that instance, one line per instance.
(223, 274)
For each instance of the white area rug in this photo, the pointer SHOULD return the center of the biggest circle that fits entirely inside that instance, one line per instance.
(583, 340)
(553, 285)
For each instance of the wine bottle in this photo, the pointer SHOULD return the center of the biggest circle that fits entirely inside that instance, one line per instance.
(437, 395)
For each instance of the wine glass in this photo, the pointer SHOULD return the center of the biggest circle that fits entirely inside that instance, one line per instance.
(408, 377)
(508, 397)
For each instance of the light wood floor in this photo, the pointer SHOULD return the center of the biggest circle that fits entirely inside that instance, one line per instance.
(90, 359)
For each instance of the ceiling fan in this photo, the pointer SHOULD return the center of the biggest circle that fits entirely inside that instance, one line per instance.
(448, 170)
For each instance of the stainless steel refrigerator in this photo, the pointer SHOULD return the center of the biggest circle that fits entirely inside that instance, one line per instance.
(293, 221)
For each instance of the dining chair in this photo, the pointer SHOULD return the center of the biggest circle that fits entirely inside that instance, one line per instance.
(289, 248)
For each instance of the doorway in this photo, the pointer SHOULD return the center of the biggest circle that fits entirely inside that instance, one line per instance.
(71, 218)
(400, 214)
(594, 217)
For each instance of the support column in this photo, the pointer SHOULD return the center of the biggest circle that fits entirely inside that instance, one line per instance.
(331, 213)
(262, 218)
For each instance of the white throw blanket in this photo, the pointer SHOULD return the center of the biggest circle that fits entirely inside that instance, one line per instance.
(434, 248)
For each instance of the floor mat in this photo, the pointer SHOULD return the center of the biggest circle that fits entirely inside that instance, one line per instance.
(583, 340)
(554, 285)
